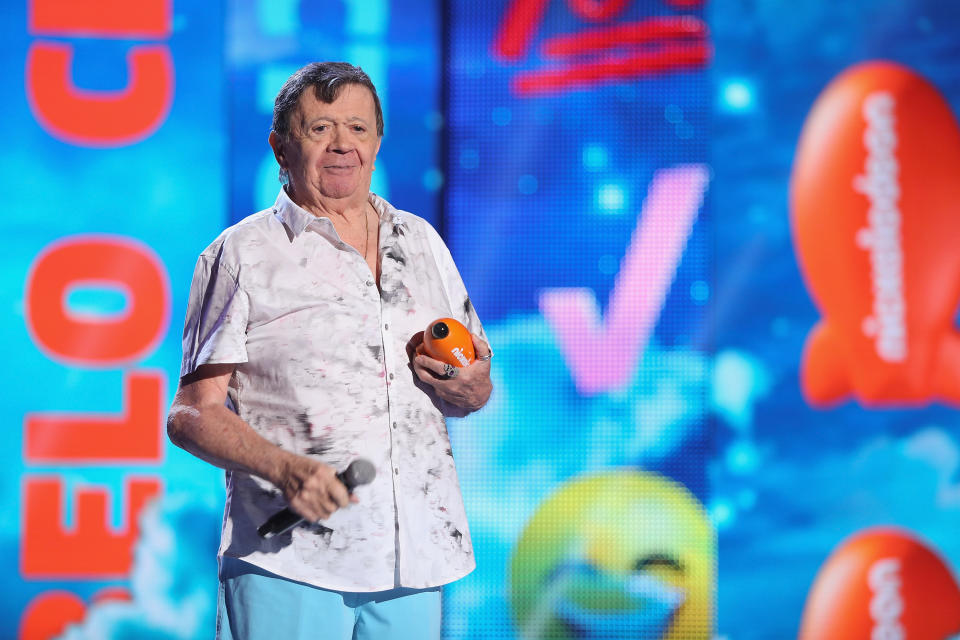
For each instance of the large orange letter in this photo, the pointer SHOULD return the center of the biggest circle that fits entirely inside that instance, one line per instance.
(135, 436)
(99, 118)
(90, 550)
(111, 18)
(110, 260)
(48, 615)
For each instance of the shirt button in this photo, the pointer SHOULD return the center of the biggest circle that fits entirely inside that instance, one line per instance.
(391, 376)
(386, 327)
(394, 425)
(396, 471)
(369, 283)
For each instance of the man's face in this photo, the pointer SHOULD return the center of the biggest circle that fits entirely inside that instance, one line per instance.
(332, 147)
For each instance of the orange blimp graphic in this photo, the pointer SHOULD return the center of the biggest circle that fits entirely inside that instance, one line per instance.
(875, 212)
(882, 583)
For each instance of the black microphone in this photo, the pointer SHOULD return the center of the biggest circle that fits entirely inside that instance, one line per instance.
(358, 472)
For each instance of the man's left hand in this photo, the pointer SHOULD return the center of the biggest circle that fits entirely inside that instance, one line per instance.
(468, 388)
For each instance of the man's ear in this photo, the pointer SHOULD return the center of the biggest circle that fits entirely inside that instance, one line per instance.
(276, 143)
(375, 152)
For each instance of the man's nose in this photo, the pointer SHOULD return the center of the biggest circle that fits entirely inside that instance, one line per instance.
(340, 142)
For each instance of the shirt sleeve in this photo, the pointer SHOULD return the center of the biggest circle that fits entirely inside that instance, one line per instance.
(215, 329)
(461, 308)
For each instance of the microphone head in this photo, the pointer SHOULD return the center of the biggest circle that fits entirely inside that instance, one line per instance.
(360, 471)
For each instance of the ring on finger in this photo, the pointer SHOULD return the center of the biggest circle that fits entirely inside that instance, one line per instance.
(449, 371)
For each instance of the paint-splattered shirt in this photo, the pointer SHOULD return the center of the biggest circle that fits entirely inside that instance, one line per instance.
(323, 371)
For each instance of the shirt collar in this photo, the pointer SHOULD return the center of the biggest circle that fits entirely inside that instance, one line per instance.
(297, 219)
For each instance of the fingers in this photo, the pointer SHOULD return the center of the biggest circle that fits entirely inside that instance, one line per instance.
(321, 502)
(415, 345)
(428, 369)
(481, 348)
(313, 510)
(338, 492)
(317, 493)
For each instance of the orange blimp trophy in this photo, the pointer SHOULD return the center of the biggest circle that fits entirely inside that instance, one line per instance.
(448, 341)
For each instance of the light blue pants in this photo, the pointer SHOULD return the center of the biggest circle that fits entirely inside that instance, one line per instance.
(256, 605)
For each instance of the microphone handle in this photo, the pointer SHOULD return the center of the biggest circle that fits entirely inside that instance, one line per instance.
(279, 523)
(286, 519)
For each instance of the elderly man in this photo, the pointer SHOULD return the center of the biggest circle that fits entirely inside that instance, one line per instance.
(300, 356)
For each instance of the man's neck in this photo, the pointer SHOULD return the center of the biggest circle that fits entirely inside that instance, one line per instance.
(336, 209)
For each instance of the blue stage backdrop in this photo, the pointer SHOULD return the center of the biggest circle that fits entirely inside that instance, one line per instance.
(713, 246)
(814, 452)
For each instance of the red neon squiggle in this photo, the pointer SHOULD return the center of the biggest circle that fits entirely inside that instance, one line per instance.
(520, 22)
(666, 59)
(686, 4)
(643, 31)
(596, 10)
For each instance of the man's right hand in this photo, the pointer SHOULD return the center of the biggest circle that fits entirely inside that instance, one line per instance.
(312, 488)
(200, 423)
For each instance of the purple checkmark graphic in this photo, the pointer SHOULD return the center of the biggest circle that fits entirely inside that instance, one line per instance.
(602, 352)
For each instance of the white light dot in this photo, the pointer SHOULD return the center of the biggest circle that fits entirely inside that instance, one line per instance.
(742, 457)
(611, 197)
(736, 95)
(721, 513)
(595, 157)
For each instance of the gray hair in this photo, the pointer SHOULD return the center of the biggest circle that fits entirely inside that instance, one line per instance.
(327, 79)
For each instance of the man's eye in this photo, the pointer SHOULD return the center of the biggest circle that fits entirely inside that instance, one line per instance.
(358, 128)
(320, 127)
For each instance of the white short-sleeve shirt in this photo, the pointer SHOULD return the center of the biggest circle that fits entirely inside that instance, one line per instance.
(323, 371)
